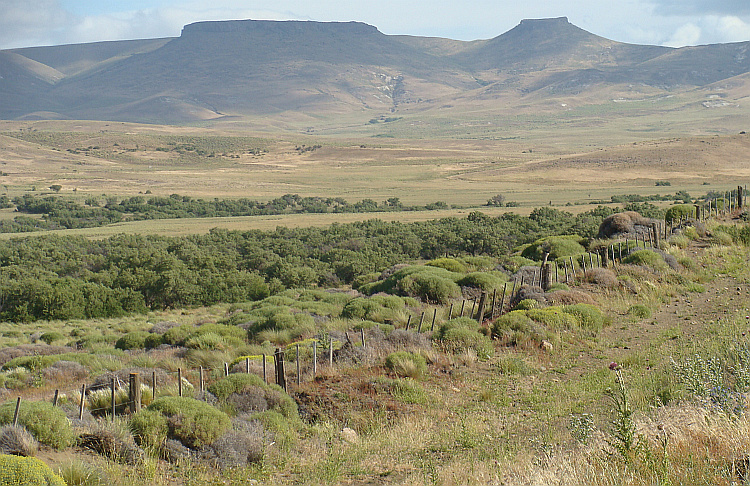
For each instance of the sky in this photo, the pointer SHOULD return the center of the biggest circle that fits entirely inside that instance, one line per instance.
(674, 23)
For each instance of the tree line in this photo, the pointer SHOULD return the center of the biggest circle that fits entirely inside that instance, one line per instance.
(65, 277)
(66, 213)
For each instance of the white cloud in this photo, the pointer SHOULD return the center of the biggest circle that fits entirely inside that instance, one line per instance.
(24, 22)
(688, 34)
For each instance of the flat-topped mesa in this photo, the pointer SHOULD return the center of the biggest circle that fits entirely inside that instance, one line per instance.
(544, 22)
(277, 27)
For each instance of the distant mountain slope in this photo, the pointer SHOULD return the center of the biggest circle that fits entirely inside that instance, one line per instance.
(297, 69)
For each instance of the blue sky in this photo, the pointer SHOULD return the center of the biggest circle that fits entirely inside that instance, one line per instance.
(676, 23)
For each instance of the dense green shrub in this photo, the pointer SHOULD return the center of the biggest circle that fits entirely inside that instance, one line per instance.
(149, 428)
(526, 304)
(556, 246)
(589, 317)
(50, 337)
(461, 339)
(553, 318)
(516, 328)
(431, 288)
(132, 340)
(404, 363)
(192, 422)
(450, 264)
(680, 211)
(640, 311)
(234, 383)
(483, 280)
(26, 471)
(47, 424)
(647, 258)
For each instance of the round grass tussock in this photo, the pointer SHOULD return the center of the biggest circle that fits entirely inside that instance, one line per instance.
(590, 318)
(47, 424)
(461, 339)
(526, 304)
(404, 363)
(553, 317)
(647, 258)
(516, 328)
(234, 383)
(556, 246)
(679, 211)
(27, 471)
(640, 311)
(192, 422)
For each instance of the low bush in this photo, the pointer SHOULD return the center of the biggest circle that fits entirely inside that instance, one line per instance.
(516, 328)
(553, 317)
(462, 339)
(133, 340)
(647, 258)
(47, 424)
(50, 337)
(26, 471)
(234, 383)
(450, 264)
(192, 422)
(556, 246)
(601, 276)
(483, 280)
(149, 428)
(404, 363)
(640, 311)
(526, 304)
(590, 318)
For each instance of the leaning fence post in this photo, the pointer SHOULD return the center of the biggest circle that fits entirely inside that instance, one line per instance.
(408, 322)
(434, 316)
(450, 312)
(421, 319)
(80, 405)
(463, 303)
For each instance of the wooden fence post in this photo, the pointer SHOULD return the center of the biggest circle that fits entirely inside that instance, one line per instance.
(299, 368)
(200, 379)
(408, 322)
(482, 304)
(463, 303)
(54, 398)
(419, 328)
(434, 316)
(265, 376)
(179, 382)
(82, 402)
(153, 384)
(502, 299)
(315, 358)
(494, 295)
(247, 365)
(15, 414)
(740, 197)
(450, 312)
(330, 354)
(112, 396)
(280, 373)
(135, 392)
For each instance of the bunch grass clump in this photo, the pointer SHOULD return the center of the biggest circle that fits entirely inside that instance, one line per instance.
(405, 363)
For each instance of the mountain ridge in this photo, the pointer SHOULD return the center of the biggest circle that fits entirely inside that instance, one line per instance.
(258, 68)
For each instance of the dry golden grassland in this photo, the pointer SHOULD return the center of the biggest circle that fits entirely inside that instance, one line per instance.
(94, 158)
